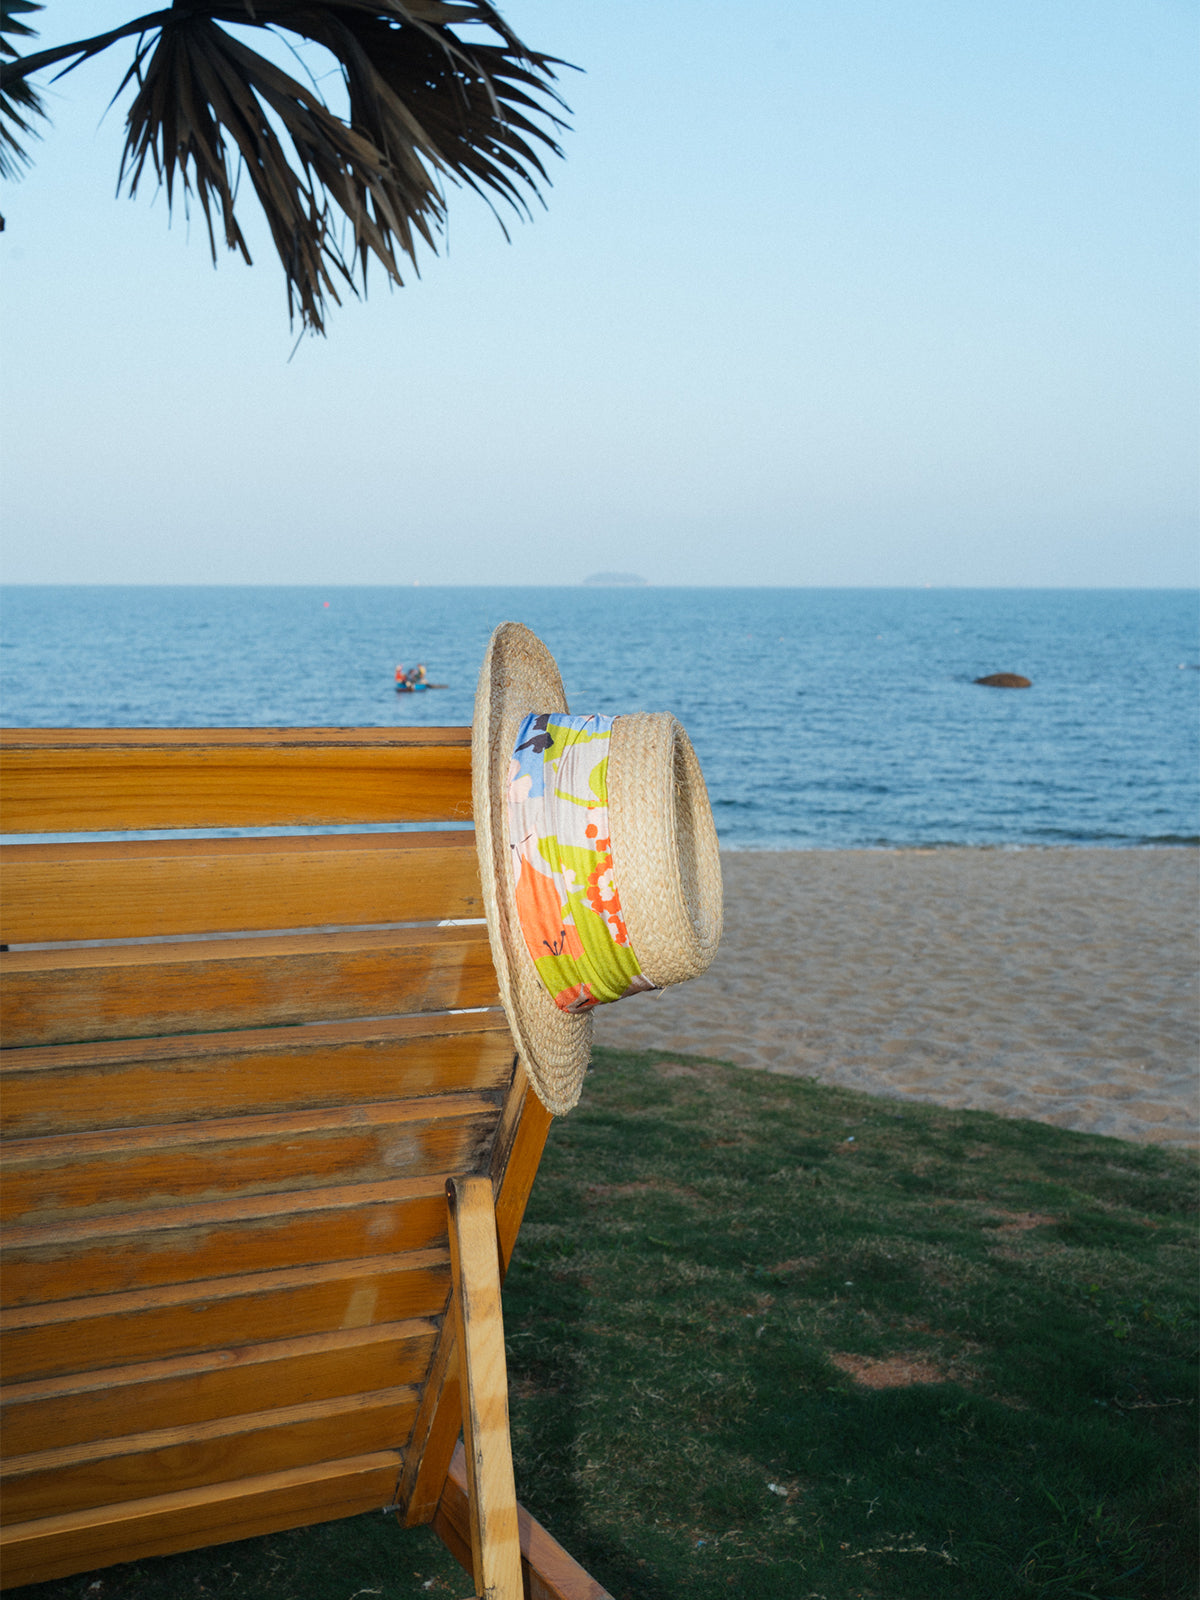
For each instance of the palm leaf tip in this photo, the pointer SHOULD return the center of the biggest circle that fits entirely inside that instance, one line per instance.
(20, 104)
(11, 26)
(425, 105)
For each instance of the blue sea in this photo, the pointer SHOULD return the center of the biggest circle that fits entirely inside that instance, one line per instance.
(822, 718)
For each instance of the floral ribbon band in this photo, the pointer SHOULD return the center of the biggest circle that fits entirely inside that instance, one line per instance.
(567, 900)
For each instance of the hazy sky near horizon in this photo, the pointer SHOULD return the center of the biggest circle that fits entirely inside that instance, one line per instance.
(827, 292)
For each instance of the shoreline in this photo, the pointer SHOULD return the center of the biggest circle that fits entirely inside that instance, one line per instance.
(1189, 842)
(1053, 982)
(953, 847)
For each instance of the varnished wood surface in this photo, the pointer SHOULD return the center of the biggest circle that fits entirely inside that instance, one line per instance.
(149, 888)
(244, 1309)
(229, 1255)
(515, 1168)
(439, 1419)
(114, 1254)
(135, 739)
(240, 1508)
(49, 1089)
(121, 991)
(549, 1573)
(483, 1377)
(81, 1408)
(54, 780)
(107, 1471)
(111, 1170)
(436, 1431)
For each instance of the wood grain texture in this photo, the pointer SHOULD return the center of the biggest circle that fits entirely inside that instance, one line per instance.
(186, 1244)
(48, 1089)
(82, 1408)
(146, 889)
(526, 1123)
(516, 1168)
(452, 1519)
(126, 1169)
(436, 1431)
(104, 1472)
(227, 1229)
(549, 1573)
(75, 1336)
(135, 991)
(57, 1546)
(135, 739)
(107, 779)
(483, 1374)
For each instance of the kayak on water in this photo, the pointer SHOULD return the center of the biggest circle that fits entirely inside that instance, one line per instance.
(414, 680)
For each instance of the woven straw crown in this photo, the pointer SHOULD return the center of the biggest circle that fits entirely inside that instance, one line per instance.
(664, 849)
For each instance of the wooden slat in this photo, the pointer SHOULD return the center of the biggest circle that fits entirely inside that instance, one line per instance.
(129, 1168)
(111, 1470)
(83, 1407)
(513, 1179)
(452, 1519)
(124, 991)
(436, 1431)
(483, 1376)
(86, 780)
(56, 1547)
(48, 1089)
(549, 1573)
(251, 1308)
(167, 1268)
(439, 1419)
(145, 889)
(185, 1244)
(134, 739)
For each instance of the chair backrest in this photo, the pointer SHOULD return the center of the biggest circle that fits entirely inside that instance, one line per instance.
(237, 1074)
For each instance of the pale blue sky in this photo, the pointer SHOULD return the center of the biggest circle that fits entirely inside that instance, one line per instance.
(828, 292)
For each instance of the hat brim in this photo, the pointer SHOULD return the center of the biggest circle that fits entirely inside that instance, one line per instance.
(519, 676)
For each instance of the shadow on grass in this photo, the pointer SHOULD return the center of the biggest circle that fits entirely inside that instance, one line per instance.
(835, 1345)
(359, 1558)
(768, 1338)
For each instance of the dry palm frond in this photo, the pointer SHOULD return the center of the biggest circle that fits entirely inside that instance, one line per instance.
(424, 105)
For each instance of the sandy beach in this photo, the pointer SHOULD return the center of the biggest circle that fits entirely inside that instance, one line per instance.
(1055, 984)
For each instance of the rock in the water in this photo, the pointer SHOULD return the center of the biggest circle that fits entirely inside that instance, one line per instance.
(1006, 680)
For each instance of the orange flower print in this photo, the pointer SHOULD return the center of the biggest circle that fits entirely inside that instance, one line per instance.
(566, 898)
(602, 896)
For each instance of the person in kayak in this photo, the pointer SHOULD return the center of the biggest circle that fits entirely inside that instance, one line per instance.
(412, 680)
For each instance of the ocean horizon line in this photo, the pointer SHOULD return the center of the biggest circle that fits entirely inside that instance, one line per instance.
(765, 588)
(822, 717)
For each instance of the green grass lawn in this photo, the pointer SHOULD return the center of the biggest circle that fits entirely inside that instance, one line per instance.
(768, 1338)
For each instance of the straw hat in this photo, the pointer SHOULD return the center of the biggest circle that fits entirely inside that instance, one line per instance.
(664, 855)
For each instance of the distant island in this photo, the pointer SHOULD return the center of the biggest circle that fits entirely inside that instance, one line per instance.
(614, 580)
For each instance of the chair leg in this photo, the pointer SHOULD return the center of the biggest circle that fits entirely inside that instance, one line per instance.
(483, 1374)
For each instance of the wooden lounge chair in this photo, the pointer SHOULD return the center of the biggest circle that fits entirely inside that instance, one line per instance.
(267, 1150)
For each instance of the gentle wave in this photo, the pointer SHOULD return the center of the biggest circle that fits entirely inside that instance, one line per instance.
(822, 718)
